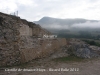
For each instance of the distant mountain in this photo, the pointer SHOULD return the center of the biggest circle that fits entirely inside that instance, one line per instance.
(78, 27)
(52, 21)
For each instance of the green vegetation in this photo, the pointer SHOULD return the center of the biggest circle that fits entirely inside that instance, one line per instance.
(68, 59)
(92, 42)
(87, 34)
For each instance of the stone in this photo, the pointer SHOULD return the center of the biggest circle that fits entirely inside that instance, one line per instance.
(81, 49)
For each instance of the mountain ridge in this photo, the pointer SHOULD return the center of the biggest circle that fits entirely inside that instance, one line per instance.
(68, 21)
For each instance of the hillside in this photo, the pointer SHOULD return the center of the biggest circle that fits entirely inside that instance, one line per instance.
(49, 21)
(22, 41)
(71, 28)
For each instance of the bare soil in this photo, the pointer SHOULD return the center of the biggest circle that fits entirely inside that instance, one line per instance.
(84, 67)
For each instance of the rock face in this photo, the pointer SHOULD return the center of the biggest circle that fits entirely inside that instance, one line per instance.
(9, 41)
(21, 41)
(81, 49)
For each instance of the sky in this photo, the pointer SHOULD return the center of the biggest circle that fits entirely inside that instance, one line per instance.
(33, 10)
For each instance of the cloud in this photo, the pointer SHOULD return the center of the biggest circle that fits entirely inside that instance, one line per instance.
(25, 2)
(36, 9)
(55, 26)
(87, 24)
(6, 5)
(13, 5)
(80, 25)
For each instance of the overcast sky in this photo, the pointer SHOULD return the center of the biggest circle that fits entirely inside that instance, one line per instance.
(35, 9)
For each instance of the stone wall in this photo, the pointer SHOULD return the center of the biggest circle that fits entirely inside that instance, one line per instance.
(17, 43)
(40, 48)
(39, 32)
(30, 31)
(24, 30)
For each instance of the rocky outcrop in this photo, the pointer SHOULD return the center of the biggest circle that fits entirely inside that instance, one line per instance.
(9, 41)
(21, 41)
(81, 49)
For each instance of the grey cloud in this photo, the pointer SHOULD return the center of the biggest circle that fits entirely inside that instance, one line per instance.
(36, 9)
(88, 24)
(81, 25)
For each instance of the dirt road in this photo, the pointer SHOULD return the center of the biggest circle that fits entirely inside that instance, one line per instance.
(50, 67)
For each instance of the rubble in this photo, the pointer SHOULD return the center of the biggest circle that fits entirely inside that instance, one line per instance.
(81, 49)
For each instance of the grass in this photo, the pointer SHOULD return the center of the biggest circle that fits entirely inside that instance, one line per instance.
(69, 59)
